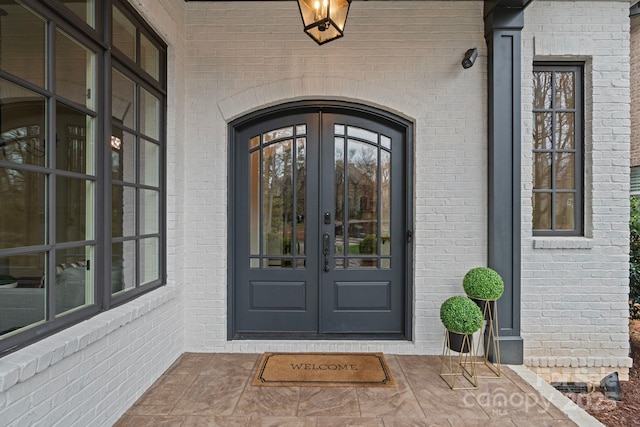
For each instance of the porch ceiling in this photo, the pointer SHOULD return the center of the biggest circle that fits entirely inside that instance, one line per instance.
(490, 3)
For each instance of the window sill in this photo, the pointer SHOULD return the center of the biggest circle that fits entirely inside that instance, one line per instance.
(27, 362)
(562, 243)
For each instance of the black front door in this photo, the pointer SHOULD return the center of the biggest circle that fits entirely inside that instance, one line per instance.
(319, 229)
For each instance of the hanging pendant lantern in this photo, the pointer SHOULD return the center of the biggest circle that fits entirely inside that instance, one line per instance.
(324, 20)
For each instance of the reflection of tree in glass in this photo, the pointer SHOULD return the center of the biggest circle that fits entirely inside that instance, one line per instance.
(278, 191)
(554, 148)
(362, 188)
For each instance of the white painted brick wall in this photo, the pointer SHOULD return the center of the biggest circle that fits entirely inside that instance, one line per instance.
(574, 291)
(403, 56)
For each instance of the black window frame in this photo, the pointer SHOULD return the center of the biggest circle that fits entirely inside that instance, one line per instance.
(98, 38)
(579, 97)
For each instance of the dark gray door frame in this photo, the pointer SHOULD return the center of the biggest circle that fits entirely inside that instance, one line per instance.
(503, 25)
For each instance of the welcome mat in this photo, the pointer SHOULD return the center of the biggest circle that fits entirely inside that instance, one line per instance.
(324, 370)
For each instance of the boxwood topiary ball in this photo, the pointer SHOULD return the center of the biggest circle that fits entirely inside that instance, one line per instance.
(461, 315)
(483, 283)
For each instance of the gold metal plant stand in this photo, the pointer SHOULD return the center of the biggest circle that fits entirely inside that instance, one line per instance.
(489, 339)
(460, 367)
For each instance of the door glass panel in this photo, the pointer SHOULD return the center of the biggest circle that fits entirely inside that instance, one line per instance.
(362, 197)
(385, 141)
(364, 134)
(254, 203)
(301, 199)
(75, 71)
(385, 203)
(339, 195)
(285, 132)
(22, 129)
(277, 200)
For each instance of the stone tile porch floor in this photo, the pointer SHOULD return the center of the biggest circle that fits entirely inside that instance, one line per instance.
(214, 389)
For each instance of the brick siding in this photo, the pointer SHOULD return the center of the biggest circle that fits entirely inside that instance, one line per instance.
(227, 59)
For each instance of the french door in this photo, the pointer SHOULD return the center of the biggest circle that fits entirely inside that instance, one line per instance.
(319, 225)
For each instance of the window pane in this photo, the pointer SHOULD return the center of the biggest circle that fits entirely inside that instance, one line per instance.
(542, 90)
(565, 131)
(565, 90)
(75, 140)
(74, 209)
(124, 34)
(74, 278)
(123, 266)
(149, 114)
(149, 260)
(542, 135)
(149, 211)
(542, 211)
(23, 292)
(123, 161)
(85, 9)
(149, 57)
(22, 131)
(564, 211)
(565, 171)
(123, 211)
(149, 163)
(541, 171)
(22, 53)
(75, 71)
(122, 97)
(23, 198)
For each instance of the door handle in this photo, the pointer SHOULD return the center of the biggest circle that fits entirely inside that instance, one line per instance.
(326, 241)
